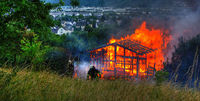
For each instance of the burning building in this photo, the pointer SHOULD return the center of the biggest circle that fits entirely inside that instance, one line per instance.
(136, 56)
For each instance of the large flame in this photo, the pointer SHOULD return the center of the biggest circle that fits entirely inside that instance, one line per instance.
(156, 39)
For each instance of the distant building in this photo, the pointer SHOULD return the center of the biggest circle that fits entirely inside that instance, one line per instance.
(67, 23)
(62, 31)
(81, 25)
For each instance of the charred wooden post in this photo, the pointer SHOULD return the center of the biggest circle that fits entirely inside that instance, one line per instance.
(109, 61)
(132, 62)
(103, 52)
(100, 60)
(106, 63)
(154, 69)
(124, 62)
(96, 58)
(146, 66)
(138, 68)
(115, 61)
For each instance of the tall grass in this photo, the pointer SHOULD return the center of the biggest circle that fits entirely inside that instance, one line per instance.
(44, 86)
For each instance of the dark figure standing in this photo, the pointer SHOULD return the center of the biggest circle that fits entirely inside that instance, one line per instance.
(93, 73)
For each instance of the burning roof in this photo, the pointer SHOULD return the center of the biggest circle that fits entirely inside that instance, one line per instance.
(131, 45)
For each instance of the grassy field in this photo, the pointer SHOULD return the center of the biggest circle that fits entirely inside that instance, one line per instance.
(45, 86)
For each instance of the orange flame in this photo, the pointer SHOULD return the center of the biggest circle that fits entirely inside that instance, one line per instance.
(152, 38)
(156, 39)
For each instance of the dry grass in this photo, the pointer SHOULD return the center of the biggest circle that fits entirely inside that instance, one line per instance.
(44, 86)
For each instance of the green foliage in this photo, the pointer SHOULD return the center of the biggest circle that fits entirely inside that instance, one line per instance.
(88, 28)
(80, 16)
(32, 50)
(16, 17)
(9, 46)
(161, 76)
(74, 3)
(61, 2)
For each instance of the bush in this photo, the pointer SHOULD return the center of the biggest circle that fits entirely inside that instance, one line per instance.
(59, 60)
(32, 51)
(161, 76)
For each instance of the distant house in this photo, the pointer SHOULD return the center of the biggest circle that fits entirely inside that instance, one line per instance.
(62, 31)
(81, 25)
(69, 24)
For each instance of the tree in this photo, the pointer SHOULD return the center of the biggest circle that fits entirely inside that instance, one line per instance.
(75, 3)
(18, 16)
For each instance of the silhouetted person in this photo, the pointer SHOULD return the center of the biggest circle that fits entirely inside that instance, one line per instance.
(93, 73)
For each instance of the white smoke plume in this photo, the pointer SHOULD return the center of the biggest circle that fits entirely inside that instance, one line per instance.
(81, 68)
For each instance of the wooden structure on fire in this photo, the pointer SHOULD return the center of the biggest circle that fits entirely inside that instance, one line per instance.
(126, 59)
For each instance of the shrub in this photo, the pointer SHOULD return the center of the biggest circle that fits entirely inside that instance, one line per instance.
(59, 60)
(161, 76)
(32, 51)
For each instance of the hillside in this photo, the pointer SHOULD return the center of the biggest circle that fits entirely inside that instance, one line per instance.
(45, 86)
(128, 3)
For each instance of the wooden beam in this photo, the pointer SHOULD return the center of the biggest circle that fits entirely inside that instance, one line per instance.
(126, 48)
(127, 44)
(124, 62)
(115, 61)
(102, 59)
(132, 62)
(135, 46)
(146, 64)
(132, 57)
(138, 68)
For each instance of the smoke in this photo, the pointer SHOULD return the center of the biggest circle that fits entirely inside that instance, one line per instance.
(182, 20)
(186, 26)
(81, 68)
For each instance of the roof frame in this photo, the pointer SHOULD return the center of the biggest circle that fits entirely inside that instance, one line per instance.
(133, 46)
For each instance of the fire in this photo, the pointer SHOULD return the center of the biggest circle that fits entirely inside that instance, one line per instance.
(122, 59)
(152, 38)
